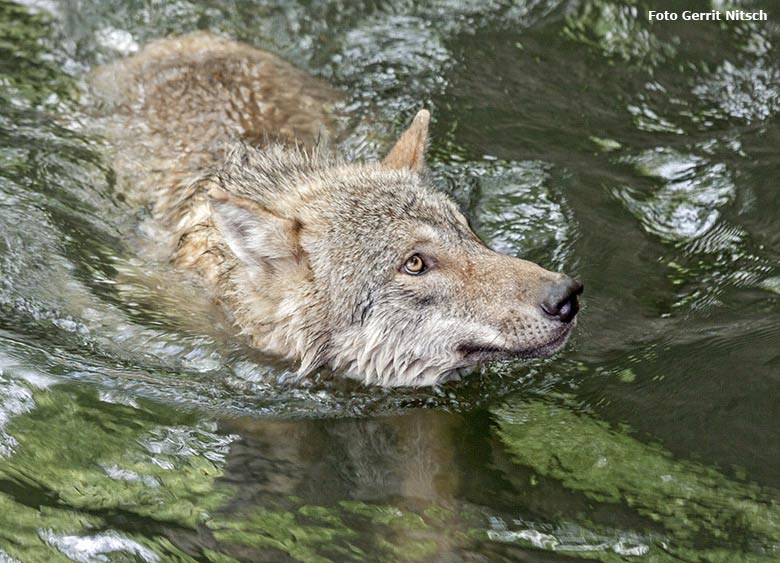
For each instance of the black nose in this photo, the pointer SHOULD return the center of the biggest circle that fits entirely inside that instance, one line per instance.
(561, 301)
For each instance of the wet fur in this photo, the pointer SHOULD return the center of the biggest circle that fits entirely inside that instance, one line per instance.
(305, 252)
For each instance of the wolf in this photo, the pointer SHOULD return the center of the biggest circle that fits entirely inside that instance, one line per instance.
(365, 268)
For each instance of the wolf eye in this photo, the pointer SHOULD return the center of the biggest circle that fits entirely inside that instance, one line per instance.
(414, 265)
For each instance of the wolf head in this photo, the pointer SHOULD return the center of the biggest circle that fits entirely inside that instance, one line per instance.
(368, 269)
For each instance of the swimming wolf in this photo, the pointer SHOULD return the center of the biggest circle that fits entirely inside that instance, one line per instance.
(362, 267)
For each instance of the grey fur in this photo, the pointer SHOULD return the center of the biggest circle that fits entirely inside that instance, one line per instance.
(306, 252)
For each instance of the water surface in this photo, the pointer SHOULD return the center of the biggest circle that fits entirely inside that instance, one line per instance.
(641, 158)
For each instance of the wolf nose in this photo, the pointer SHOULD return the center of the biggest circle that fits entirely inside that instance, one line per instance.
(561, 301)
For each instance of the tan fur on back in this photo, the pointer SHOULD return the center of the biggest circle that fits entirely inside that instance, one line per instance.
(182, 101)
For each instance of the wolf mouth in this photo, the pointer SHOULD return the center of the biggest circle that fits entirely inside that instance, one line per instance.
(476, 352)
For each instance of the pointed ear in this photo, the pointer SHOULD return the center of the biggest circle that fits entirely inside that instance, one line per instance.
(254, 234)
(409, 151)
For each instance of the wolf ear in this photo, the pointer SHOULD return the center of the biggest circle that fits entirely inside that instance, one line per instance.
(254, 234)
(409, 151)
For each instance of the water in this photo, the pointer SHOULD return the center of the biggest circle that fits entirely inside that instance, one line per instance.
(642, 158)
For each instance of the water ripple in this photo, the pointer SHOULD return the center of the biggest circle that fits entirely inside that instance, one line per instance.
(516, 208)
(97, 547)
(686, 197)
(751, 93)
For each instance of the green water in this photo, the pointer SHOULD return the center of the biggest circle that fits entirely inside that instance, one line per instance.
(642, 158)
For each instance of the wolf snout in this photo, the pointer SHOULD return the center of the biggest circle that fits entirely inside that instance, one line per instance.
(561, 300)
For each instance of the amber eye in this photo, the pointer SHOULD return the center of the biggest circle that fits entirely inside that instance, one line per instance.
(414, 265)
